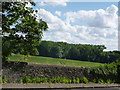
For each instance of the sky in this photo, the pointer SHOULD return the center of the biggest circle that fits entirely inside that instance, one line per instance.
(93, 23)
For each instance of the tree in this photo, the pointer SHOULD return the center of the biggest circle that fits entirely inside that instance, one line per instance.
(56, 52)
(20, 28)
(44, 48)
(73, 53)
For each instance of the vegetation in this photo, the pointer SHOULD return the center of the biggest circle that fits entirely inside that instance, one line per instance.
(4, 80)
(48, 60)
(58, 79)
(108, 73)
(80, 52)
(22, 33)
(21, 28)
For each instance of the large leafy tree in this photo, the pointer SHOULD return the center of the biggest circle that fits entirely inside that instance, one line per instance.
(20, 28)
(56, 52)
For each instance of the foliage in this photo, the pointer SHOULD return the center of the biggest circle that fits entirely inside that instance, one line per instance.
(81, 52)
(27, 79)
(85, 80)
(100, 81)
(109, 81)
(58, 79)
(21, 80)
(56, 51)
(107, 73)
(0, 79)
(4, 80)
(104, 70)
(21, 30)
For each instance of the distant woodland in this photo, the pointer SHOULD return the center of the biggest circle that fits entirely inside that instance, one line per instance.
(80, 52)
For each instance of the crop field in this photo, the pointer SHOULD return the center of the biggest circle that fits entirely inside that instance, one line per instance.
(54, 61)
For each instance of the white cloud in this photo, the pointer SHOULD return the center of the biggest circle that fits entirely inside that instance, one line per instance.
(54, 2)
(57, 2)
(100, 27)
(112, 9)
(42, 3)
(97, 18)
(58, 13)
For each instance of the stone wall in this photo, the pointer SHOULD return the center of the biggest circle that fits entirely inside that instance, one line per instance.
(13, 71)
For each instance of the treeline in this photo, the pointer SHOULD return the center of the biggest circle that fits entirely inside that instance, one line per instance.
(81, 52)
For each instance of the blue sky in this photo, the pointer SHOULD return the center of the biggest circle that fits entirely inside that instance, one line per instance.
(80, 22)
(75, 6)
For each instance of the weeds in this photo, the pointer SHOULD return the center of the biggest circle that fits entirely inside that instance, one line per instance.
(58, 79)
(4, 80)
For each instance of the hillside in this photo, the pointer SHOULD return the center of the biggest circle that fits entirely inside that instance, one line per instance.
(57, 61)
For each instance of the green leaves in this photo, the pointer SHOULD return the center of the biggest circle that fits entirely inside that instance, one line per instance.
(23, 30)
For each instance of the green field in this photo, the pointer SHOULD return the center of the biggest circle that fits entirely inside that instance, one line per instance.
(48, 60)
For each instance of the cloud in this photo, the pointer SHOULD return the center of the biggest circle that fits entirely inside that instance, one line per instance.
(93, 27)
(58, 13)
(97, 18)
(54, 2)
(112, 9)
(42, 3)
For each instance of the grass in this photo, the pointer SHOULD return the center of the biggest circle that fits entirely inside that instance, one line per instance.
(49, 60)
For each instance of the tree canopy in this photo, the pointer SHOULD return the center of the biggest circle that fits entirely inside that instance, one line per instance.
(82, 52)
(21, 28)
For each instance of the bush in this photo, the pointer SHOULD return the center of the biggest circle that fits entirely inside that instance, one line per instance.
(57, 79)
(43, 80)
(36, 80)
(84, 80)
(21, 80)
(103, 73)
(76, 80)
(109, 81)
(27, 79)
(4, 80)
(100, 81)
(60, 80)
(65, 80)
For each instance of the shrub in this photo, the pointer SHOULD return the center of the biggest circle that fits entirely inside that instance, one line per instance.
(4, 80)
(21, 80)
(43, 80)
(109, 81)
(65, 80)
(103, 73)
(84, 80)
(74, 80)
(60, 80)
(100, 81)
(0, 79)
(77, 80)
(95, 81)
(27, 79)
(52, 80)
(36, 80)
